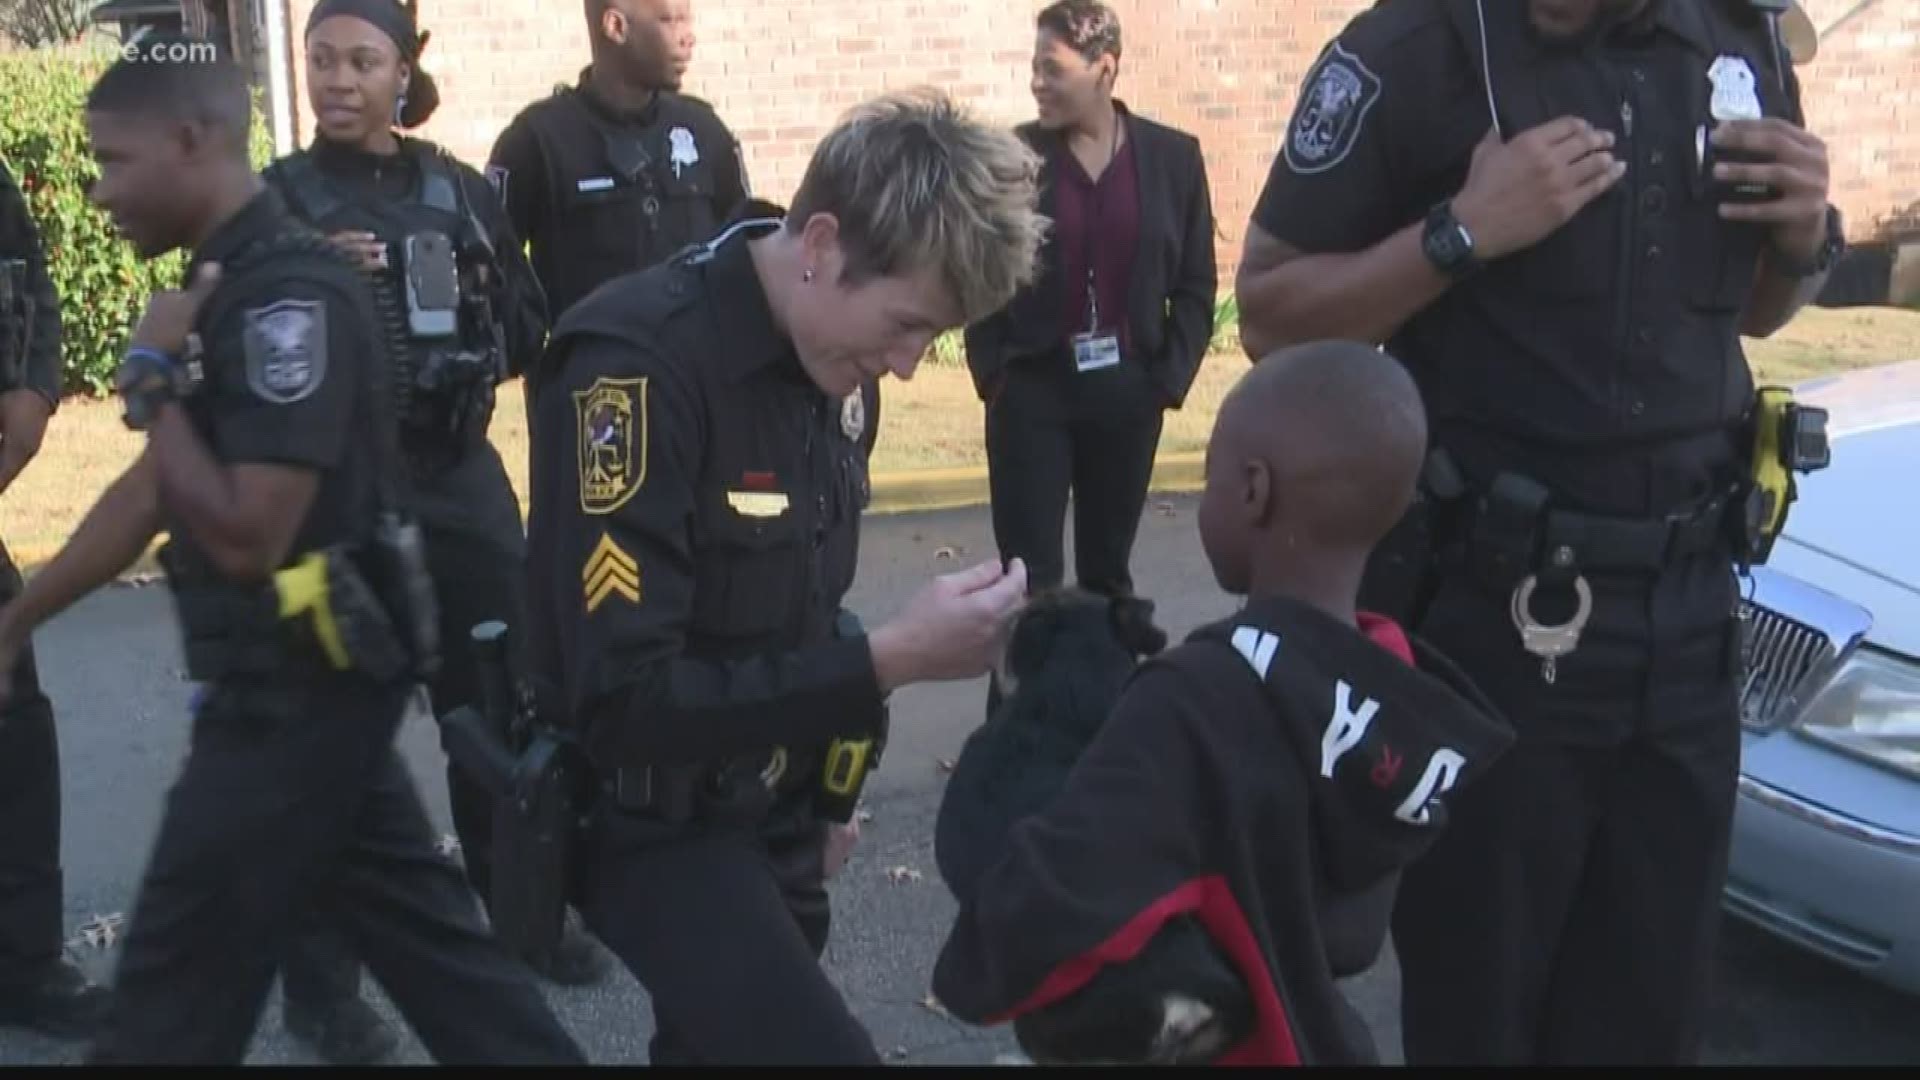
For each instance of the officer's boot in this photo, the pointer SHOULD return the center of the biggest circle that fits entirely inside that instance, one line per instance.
(577, 960)
(321, 1005)
(60, 1003)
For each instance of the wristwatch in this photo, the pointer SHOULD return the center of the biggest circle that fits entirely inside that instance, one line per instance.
(1447, 243)
(1790, 266)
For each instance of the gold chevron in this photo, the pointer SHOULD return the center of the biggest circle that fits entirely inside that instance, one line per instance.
(609, 570)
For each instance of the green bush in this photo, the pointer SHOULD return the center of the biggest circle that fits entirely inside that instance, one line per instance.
(102, 282)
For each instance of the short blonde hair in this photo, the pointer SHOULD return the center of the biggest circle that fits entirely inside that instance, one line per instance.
(915, 182)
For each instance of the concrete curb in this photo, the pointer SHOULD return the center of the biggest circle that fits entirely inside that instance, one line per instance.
(918, 491)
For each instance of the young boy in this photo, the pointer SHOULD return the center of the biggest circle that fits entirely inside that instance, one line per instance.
(1229, 844)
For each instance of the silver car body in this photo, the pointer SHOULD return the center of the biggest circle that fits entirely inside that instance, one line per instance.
(1826, 846)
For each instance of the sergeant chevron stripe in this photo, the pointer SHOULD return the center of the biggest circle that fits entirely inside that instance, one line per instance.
(609, 571)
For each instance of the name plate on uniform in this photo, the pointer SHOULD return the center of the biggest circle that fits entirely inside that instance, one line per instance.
(595, 183)
(758, 504)
(1092, 353)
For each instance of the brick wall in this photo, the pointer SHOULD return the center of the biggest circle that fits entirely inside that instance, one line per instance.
(1225, 70)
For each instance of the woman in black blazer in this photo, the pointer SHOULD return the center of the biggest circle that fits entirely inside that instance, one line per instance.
(1078, 370)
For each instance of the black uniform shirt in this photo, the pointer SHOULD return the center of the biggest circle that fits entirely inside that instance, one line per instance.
(287, 348)
(597, 192)
(19, 239)
(1607, 357)
(694, 521)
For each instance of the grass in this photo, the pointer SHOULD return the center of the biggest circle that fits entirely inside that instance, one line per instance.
(934, 421)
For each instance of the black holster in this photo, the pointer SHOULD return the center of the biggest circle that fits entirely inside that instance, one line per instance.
(542, 786)
(1403, 570)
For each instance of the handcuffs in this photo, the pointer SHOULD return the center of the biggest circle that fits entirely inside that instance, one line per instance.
(1550, 642)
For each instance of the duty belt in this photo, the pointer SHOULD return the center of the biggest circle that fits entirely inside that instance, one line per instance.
(1649, 544)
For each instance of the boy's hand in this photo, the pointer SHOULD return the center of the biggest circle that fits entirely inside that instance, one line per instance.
(841, 840)
(170, 314)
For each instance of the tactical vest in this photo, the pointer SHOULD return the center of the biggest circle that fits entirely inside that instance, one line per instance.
(616, 200)
(437, 300)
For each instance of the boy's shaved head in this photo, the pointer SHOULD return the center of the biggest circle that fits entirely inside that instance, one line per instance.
(1315, 453)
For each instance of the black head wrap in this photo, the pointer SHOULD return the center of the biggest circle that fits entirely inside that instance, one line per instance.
(422, 97)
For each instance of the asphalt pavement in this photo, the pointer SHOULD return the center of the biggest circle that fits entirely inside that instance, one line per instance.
(111, 666)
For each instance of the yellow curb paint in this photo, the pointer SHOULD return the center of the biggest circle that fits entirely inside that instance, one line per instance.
(918, 491)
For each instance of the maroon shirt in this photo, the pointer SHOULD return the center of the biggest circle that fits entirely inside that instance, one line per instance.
(1098, 223)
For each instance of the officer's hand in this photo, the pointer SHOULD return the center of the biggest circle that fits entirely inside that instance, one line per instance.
(170, 314)
(1796, 166)
(364, 248)
(1517, 193)
(952, 629)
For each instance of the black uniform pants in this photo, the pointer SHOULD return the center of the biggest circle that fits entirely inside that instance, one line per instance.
(1052, 432)
(1567, 912)
(30, 878)
(475, 553)
(293, 800)
(724, 924)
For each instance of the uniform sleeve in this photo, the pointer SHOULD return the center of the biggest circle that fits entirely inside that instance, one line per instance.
(289, 361)
(618, 516)
(730, 189)
(1333, 186)
(518, 174)
(523, 305)
(20, 239)
(1087, 883)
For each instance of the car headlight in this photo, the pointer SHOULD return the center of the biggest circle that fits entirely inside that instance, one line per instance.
(1871, 708)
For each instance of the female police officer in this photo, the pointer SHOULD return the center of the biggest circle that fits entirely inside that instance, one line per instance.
(693, 530)
(462, 311)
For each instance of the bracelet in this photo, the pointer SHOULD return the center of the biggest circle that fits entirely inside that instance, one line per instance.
(148, 352)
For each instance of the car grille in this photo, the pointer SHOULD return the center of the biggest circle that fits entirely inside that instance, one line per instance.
(1779, 655)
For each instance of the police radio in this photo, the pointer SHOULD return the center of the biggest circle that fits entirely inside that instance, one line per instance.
(433, 285)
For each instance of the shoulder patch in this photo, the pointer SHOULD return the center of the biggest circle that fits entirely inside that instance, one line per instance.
(610, 424)
(286, 349)
(1331, 112)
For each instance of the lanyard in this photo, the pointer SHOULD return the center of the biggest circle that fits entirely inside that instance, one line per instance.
(1092, 226)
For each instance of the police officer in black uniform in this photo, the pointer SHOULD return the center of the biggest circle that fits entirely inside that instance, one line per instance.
(39, 987)
(463, 312)
(694, 528)
(1569, 279)
(299, 578)
(620, 170)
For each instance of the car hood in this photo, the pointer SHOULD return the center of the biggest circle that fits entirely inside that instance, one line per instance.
(1855, 530)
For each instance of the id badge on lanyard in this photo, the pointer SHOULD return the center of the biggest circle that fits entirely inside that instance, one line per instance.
(1093, 350)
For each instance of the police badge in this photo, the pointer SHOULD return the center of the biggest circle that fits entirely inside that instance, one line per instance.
(853, 415)
(610, 422)
(286, 349)
(1735, 97)
(681, 149)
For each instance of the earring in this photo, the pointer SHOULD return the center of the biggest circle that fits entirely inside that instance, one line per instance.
(807, 274)
(399, 107)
